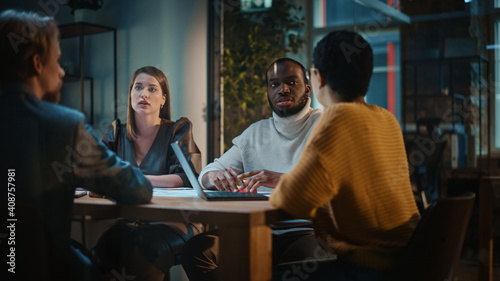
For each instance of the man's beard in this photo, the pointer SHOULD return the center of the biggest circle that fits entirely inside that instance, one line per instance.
(291, 111)
(53, 97)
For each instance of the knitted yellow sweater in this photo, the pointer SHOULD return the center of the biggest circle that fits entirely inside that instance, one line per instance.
(352, 178)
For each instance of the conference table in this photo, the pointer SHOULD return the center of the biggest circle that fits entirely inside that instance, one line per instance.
(245, 234)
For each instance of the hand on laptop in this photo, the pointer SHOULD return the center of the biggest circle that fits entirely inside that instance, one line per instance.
(252, 180)
(225, 179)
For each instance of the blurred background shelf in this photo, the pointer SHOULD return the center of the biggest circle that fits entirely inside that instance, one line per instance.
(77, 71)
(449, 96)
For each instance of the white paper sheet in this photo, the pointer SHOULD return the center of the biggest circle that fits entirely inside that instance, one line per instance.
(174, 192)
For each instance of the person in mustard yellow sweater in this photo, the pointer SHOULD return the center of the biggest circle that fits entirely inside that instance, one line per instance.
(352, 177)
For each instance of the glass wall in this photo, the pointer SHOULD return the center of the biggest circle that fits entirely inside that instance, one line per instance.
(399, 31)
(496, 47)
(380, 31)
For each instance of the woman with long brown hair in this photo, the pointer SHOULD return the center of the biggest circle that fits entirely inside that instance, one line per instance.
(144, 249)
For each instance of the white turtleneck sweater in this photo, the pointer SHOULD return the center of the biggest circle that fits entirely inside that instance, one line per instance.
(273, 144)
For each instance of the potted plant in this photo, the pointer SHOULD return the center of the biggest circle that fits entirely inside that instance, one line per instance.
(84, 10)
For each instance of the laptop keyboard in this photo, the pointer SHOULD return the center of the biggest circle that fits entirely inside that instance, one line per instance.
(224, 194)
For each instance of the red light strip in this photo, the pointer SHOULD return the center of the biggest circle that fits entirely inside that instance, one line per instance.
(323, 14)
(391, 78)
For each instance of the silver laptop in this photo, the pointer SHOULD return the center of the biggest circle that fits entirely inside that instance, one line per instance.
(211, 195)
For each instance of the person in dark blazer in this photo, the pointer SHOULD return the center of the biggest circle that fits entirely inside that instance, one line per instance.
(46, 150)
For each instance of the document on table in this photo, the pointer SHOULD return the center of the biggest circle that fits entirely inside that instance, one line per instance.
(79, 192)
(174, 192)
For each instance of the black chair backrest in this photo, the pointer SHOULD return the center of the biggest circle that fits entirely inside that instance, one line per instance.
(436, 244)
(39, 256)
(425, 154)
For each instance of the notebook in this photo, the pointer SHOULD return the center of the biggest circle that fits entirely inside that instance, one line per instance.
(212, 195)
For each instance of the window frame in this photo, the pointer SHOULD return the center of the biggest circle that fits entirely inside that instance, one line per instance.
(495, 105)
(366, 29)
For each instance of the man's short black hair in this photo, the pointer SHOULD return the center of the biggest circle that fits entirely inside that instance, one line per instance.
(346, 61)
(282, 60)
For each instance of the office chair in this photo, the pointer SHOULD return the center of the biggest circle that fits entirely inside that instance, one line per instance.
(489, 210)
(425, 162)
(37, 255)
(436, 244)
